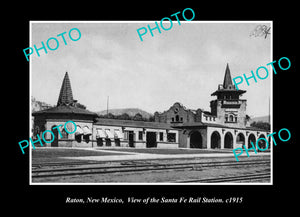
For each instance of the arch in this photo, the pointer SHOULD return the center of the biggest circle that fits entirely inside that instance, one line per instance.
(196, 140)
(240, 139)
(261, 143)
(230, 118)
(215, 140)
(251, 138)
(54, 143)
(228, 140)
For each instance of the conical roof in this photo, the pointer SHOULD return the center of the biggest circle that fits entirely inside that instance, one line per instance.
(227, 84)
(227, 78)
(65, 95)
(66, 105)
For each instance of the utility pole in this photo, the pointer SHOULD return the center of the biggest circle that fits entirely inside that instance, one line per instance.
(107, 105)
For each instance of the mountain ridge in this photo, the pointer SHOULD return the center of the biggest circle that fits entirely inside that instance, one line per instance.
(38, 105)
(265, 118)
(130, 111)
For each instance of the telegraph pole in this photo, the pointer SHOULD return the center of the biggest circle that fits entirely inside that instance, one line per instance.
(107, 105)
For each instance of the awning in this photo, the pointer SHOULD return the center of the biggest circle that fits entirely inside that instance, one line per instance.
(109, 134)
(79, 131)
(100, 134)
(87, 131)
(118, 134)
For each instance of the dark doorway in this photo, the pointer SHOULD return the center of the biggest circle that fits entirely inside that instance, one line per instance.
(151, 140)
(99, 142)
(252, 139)
(262, 143)
(55, 141)
(240, 139)
(117, 142)
(131, 138)
(215, 141)
(228, 140)
(107, 142)
(195, 140)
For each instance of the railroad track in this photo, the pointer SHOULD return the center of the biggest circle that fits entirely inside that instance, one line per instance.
(249, 177)
(136, 167)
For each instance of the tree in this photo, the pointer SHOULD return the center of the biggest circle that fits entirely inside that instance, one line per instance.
(124, 116)
(151, 118)
(79, 105)
(138, 117)
(109, 116)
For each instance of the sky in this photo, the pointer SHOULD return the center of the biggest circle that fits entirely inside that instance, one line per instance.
(184, 64)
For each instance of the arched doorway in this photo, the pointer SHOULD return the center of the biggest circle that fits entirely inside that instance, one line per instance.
(228, 140)
(215, 140)
(262, 143)
(240, 139)
(196, 140)
(251, 138)
(54, 143)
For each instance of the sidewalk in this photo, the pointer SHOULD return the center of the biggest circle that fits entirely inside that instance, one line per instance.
(143, 156)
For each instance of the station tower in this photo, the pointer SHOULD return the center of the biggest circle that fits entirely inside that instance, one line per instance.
(228, 107)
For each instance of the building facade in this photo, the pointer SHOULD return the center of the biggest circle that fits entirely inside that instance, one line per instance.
(225, 126)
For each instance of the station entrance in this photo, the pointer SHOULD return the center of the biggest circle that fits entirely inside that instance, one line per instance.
(195, 140)
(151, 140)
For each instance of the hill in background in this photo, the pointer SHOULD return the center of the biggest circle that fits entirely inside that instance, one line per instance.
(130, 111)
(265, 119)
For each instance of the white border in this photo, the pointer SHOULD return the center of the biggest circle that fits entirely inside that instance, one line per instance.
(161, 183)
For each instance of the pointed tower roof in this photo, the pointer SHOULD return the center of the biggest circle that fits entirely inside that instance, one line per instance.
(65, 95)
(66, 105)
(227, 78)
(228, 85)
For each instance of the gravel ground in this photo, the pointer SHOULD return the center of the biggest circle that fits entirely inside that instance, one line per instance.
(169, 176)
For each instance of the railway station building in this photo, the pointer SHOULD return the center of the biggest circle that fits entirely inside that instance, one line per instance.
(224, 127)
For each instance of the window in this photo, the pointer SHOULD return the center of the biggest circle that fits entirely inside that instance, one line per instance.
(86, 138)
(140, 135)
(177, 118)
(172, 119)
(78, 137)
(161, 136)
(231, 118)
(171, 137)
(126, 136)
